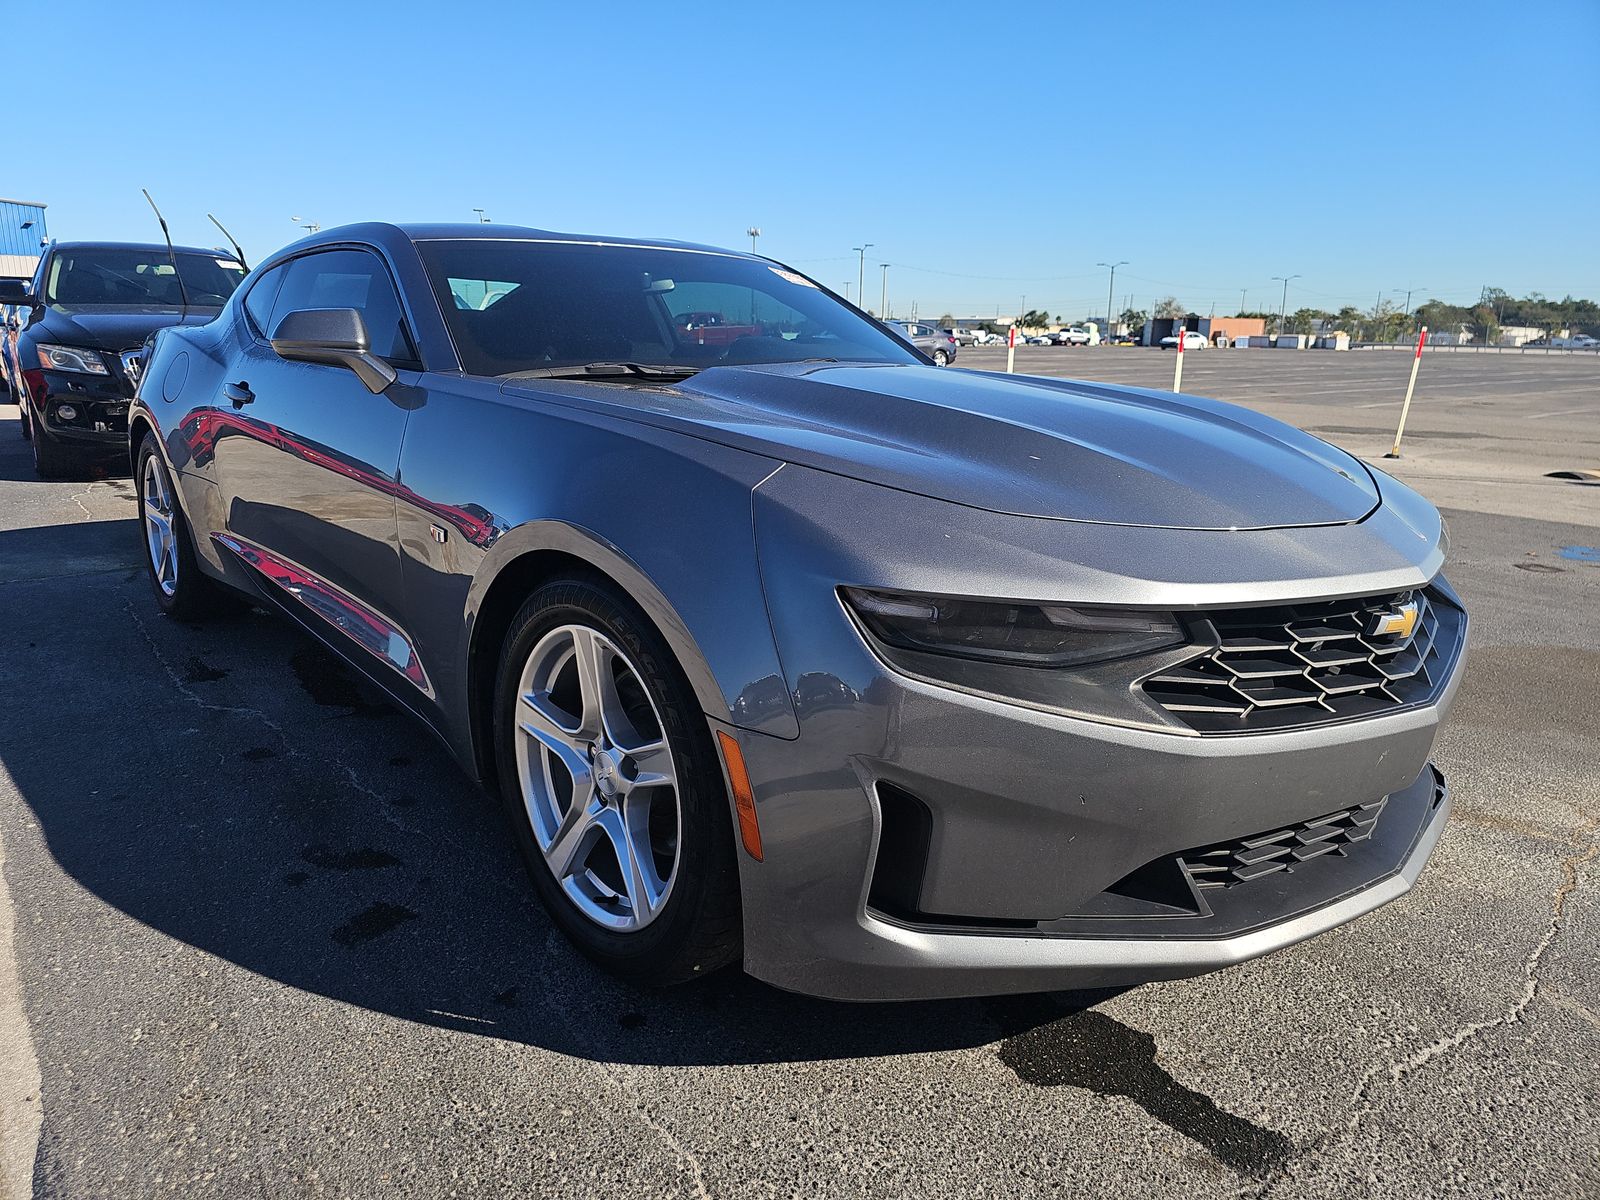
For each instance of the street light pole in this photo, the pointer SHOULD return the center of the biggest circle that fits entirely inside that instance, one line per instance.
(1111, 288)
(482, 220)
(847, 291)
(1283, 312)
(883, 300)
(861, 269)
(754, 232)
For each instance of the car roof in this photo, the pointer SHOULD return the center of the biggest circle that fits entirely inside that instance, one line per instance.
(437, 231)
(153, 247)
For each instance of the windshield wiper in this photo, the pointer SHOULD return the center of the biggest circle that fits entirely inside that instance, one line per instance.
(605, 370)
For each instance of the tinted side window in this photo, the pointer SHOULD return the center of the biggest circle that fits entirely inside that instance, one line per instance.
(348, 279)
(258, 300)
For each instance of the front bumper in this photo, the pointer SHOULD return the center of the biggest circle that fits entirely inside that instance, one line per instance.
(99, 405)
(1028, 825)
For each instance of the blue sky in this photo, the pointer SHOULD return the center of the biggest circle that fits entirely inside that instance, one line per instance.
(989, 152)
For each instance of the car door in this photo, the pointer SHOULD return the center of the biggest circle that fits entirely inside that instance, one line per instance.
(306, 471)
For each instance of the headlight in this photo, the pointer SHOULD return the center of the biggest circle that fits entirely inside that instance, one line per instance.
(1011, 633)
(71, 358)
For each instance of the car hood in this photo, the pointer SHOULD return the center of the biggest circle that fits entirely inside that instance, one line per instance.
(111, 328)
(1058, 449)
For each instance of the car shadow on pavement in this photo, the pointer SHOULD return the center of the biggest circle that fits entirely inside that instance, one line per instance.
(240, 790)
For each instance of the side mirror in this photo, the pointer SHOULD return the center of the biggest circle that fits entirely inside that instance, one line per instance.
(15, 291)
(335, 337)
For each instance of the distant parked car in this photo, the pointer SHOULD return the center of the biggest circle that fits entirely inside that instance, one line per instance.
(1074, 335)
(986, 338)
(1040, 339)
(1191, 341)
(935, 343)
(962, 337)
(1578, 341)
(73, 362)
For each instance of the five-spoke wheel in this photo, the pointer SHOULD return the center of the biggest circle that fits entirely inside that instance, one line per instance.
(158, 537)
(597, 777)
(613, 786)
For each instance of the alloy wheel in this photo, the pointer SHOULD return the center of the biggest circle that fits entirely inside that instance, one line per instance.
(598, 778)
(158, 532)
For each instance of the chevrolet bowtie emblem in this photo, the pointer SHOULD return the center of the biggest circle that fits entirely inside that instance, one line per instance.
(1400, 622)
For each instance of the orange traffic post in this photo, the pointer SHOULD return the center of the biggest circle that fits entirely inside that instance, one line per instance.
(1177, 369)
(1405, 409)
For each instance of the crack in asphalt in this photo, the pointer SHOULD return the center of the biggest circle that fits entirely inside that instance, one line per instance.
(1585, 849)
(620, 1077)
(186, 690)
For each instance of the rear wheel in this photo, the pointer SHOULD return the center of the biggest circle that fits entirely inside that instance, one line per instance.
(181, 590)
(940, 358)
(613, 788)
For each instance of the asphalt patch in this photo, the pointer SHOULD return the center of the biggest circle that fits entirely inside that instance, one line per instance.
(1089, 1050)
(373, 921)
(332, 684)
(196, 670)
(365, 859)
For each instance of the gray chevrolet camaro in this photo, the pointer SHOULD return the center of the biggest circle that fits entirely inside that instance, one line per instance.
(782, 644)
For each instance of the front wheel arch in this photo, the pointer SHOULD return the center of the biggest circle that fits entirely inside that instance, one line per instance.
(491, 616)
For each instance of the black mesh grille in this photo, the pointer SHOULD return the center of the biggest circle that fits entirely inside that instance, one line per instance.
(1228, 864)
(1308, 664)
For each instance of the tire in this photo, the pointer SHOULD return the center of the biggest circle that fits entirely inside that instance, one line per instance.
(182, 592)
(52, 460)
(680, 919)
(940, 358)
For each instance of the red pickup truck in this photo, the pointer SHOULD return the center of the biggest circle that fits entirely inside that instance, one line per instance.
(712, 329)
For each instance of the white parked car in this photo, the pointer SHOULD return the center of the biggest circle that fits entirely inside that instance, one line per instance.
(1191, 341)
(1578, 341)
(1074, 335)
(1040, 339)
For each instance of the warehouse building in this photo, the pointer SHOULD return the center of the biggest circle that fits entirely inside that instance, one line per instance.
(22, 236)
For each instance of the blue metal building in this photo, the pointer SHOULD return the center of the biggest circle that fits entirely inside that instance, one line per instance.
(22, 234)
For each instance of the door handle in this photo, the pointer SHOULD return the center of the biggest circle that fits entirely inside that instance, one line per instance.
(239, 393)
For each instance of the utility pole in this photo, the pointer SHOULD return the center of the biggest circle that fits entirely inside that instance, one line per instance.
(754, 231)
(1242, 292)
(1283, 312)
(861, 269)
(1111, 289)
(883, 302)
(1409, 314)
(847, 291)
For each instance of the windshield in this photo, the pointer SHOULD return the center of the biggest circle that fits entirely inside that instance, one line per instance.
(87, 276)
(527, 306)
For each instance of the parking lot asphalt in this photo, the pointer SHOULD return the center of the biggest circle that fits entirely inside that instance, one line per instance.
(264, 939)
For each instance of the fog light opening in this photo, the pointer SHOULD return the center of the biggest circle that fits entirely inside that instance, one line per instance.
(66, 412)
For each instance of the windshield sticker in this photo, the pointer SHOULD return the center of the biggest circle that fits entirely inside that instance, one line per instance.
(791, 277)
(227, 264)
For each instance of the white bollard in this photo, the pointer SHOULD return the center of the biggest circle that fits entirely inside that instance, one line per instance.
(1177, 369)
(1011, 351)
(1405, 408)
